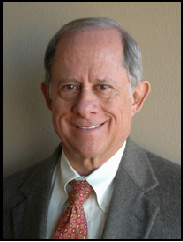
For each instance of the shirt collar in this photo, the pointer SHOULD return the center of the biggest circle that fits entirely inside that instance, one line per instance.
(102, 179)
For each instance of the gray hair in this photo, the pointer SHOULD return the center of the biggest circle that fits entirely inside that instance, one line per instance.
(132, 54)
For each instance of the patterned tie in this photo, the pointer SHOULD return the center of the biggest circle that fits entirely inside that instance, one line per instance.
(73, 222)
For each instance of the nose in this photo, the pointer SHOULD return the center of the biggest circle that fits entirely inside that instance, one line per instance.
(86, 104)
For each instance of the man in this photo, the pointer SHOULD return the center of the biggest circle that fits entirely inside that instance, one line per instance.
(93, 87)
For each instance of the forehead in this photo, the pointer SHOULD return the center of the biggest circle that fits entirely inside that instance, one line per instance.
(89, 55)
(90, 41)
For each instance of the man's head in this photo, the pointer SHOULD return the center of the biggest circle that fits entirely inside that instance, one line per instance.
(132, 55)
(94, 71)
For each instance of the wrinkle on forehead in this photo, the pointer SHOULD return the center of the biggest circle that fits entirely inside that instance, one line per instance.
(106, 36)
(89, 55)
(96, 42)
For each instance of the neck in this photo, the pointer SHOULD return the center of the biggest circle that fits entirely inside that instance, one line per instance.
(86, 165)
(83, 165)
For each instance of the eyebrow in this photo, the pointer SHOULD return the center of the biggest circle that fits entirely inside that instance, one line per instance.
(67, 80)
(105, 80)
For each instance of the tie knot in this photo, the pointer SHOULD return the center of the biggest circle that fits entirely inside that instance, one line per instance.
(80, 191)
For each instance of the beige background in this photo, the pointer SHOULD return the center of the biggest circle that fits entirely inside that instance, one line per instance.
(28, 133)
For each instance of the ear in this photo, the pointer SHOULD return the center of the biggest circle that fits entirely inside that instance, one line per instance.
(45, 92)
(139, 96)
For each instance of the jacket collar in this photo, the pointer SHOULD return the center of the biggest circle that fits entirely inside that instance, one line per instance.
(131, 214)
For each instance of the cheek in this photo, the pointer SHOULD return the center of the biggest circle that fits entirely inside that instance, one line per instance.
(126, 112)
(60, 111)
(122, 112)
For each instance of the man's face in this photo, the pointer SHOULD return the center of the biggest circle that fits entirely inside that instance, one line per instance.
(90, 92)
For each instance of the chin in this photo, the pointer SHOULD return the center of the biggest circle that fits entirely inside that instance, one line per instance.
(88, 150)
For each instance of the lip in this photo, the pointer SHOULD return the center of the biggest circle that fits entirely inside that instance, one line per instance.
(90, 128)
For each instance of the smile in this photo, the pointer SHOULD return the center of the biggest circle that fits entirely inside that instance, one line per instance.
(91, 127)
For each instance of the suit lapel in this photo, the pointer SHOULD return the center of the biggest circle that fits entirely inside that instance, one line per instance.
(131, 215)
(37, 191)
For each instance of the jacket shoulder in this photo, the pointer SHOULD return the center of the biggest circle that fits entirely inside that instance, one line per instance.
(167, 196)
(13, 183)
(12, 197)
(28, 182)
(167, 172)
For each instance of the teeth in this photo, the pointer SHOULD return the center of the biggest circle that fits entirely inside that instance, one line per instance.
(91, 127)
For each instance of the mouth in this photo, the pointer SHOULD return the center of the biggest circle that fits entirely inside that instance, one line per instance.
(90, 127)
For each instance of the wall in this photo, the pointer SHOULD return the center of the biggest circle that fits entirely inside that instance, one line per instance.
(28, 134)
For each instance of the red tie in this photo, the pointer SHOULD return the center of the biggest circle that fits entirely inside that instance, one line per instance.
(73, 222)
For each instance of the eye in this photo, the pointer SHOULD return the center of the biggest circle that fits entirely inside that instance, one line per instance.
(103, 87)
(69, 87)
(68, 91)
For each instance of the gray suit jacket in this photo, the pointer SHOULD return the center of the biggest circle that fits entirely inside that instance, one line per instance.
(145, 202)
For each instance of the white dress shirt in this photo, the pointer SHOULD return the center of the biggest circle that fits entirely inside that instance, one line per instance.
(96, 206)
